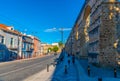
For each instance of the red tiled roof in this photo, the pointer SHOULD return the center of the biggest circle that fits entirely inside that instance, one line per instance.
(2, 26)
(5, 28)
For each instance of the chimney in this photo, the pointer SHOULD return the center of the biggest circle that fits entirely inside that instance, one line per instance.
(10, 28)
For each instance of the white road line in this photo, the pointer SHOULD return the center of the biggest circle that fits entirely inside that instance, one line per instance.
(21, 68)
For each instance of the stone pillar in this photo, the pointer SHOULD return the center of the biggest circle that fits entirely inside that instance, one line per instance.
(107, 36)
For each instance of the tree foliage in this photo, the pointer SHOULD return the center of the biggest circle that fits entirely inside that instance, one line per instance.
(60, 44)
(55, 49)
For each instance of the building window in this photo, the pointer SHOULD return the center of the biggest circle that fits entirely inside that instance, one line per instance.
(22, 45)
(28, 47)
(3, 40)
(11, 42)
(18, 42)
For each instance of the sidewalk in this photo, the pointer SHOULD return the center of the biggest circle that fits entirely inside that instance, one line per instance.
(59, 74)
(42, 76)
(75, 72)
(56, 73)
(84, 77)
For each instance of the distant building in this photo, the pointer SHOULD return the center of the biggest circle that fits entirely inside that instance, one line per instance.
(15, 45)
(41, 49)
(10, 40)
(55, 44)
(36, 46)
(45, 47)
(27, 46)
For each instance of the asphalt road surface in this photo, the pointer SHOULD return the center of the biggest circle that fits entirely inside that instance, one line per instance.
(19, 70)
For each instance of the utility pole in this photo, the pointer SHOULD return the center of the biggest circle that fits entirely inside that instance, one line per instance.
(18, 51)
(18, 47)
(61, 30)
(62, 36)
(71, 44)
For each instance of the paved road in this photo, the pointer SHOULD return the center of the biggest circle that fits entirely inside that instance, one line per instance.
(17, 71)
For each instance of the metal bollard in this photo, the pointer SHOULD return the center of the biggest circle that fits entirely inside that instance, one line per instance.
(88, 70)
(47, 67)
(99, 79)
(115, 72)
(65, 69)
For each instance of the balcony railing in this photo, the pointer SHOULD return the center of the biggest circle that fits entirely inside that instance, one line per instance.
(13, 47)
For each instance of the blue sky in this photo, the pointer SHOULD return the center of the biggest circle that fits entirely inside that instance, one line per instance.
(39, 17)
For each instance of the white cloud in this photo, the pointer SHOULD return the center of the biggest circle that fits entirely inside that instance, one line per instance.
(51, 30)
(65, 29)
(55, 29)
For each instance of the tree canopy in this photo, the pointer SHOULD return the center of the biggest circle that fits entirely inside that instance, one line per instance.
(60, 44)
(55, 49)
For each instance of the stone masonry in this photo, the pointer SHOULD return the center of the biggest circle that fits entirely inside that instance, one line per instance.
(98, 26)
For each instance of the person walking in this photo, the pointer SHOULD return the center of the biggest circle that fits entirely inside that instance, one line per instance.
(73, 59)
(68, 61)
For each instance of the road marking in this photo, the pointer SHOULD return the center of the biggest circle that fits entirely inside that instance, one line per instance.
(21, 68)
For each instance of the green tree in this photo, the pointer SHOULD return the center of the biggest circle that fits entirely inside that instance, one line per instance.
(55, 49)
(60, 44)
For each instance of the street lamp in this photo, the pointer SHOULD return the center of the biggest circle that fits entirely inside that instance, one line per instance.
(62, 33)
(71, 44)
(61, 30)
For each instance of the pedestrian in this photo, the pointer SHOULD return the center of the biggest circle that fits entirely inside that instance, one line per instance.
(68, 61)
(88, 70)
(115, 72)
(61, 59)
(65, 70)
(73, 59)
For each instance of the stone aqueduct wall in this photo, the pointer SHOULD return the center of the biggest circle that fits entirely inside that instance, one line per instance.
(102, 17)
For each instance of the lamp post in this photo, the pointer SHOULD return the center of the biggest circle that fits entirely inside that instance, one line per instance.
(18, 46)
(19, 56)
(61, 30)
(71, 44)
(62, 34)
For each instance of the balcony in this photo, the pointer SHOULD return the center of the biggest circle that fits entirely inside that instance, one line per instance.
(32, 48)
(13, 47)
(29, 49)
